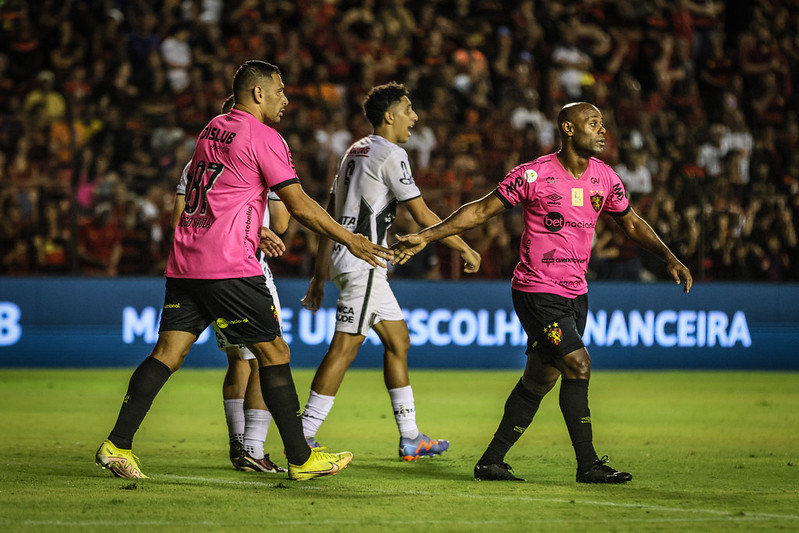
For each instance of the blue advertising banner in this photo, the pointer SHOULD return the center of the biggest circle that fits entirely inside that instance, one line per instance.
(78, 322)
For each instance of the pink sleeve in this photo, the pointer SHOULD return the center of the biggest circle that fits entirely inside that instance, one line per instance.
(273, 158)
(617, 202)
(517, 185)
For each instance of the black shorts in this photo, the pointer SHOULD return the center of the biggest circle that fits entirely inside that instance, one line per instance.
(554, 324)
(241, 307)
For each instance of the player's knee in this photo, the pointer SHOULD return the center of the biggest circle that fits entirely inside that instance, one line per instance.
(173, 360)
(539, 385)
(398, 347)
(578, 368)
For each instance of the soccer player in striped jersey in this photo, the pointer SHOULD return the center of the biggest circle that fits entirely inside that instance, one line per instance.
(373, 178)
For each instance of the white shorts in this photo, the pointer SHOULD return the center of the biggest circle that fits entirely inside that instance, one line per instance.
(364, 299)
(244, 352)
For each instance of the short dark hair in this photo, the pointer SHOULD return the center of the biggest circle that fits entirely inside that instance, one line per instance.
(249, 74)
(230, 101)
(380, 98)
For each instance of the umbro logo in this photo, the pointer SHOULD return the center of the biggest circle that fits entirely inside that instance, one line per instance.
(553, 199)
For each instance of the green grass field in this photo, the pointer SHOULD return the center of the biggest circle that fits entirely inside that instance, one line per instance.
(709, 451)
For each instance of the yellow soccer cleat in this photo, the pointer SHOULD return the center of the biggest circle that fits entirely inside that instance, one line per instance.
(320, 464)
(121, 463)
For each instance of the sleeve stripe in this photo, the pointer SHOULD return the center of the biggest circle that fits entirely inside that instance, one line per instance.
(283, 184)
(409, 199)
(620, 213)
(504, 200)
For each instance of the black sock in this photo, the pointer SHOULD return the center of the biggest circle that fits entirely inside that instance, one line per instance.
(574, 406)
(143, 387)
(520, 408)
(280, 396)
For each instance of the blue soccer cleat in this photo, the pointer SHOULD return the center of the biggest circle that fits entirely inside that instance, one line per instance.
(421, 446)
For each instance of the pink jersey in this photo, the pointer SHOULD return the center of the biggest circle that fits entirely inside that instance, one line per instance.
(237, 159)
(560, 214)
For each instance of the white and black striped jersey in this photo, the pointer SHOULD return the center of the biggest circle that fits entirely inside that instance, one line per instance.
(374, 175)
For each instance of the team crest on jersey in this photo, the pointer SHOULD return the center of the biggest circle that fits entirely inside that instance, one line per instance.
(597, 197)
(553, 333)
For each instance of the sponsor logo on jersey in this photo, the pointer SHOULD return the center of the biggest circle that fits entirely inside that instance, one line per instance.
(617, 193)
(554, 222)
(570, 284)
(359, 151)
(594, 180)
(553, 199)
(512, 185)
(552, 179)
(549, 258)
(217, 135)
(345, 313)
(222, 323)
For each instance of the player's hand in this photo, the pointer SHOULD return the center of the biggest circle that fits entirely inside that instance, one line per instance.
(407, 246)
(471, 261)
(680, 273)
(271, 245)
(372, 253)
(316, 293)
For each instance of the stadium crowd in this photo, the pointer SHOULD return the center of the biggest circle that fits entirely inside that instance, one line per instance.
(101, 101)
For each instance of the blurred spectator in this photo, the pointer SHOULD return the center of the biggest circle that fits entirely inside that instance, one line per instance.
(100, 243)
(52, 240)
(44, 102)
(635, 173)
(15, 238)
(571, 65)
(176, 52)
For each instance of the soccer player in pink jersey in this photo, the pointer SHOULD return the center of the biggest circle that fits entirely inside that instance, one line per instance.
(562, 195)
(213, 274)
(246, 415)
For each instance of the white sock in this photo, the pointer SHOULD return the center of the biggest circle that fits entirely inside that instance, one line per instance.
(234, 414)
(315, 412)
(404, 411)
(255, 429)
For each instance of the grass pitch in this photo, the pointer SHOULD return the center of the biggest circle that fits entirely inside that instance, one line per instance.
(709, 451)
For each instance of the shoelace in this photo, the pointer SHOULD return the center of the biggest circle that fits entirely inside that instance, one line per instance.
(600, 464)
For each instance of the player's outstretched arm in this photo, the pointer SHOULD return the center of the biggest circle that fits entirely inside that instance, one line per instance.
(423, 216)
(637, 229)
(466, 217)
(312, 216)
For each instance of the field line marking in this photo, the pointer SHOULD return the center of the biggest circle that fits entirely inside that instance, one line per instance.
(647, 507)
